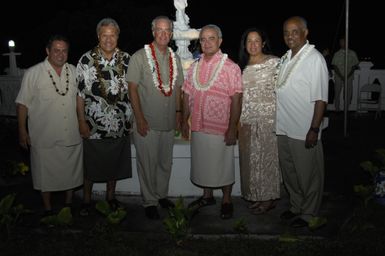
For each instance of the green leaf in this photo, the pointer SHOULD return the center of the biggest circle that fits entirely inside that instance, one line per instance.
(240, 226)
(363, 190)
(288, 238)
(317, 222)
(177, 222)
(117, 216)
(6, 203)
(103, 207)
(50, 220)
(64, 216)
(370, 167)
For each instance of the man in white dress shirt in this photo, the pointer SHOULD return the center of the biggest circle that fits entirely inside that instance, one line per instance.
(48, 124)
(302, 94)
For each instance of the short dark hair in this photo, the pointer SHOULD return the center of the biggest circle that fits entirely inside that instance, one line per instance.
(57, 37)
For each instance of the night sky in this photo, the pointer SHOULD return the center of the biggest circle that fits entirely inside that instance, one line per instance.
(29, 24)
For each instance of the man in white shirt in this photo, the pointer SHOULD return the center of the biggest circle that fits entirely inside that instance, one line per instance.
(302, 93)
(47, 101)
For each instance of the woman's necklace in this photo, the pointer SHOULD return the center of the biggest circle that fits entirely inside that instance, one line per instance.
(54, 83)
(214, 75)
(102, 81)
(166, 89)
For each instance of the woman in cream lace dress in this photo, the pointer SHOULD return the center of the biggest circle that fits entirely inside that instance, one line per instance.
(259, 169)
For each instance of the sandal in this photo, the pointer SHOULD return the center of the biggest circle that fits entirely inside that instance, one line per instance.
(254, 205)
(264, 207)
(201, 202)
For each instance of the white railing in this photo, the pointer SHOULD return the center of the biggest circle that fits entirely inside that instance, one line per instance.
(362, 76)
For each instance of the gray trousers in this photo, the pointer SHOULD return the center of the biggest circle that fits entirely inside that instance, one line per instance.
(303, 175)
(153, 162)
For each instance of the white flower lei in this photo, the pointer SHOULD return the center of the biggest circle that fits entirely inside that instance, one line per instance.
(166, 87)
(210, 82)
(283, 76)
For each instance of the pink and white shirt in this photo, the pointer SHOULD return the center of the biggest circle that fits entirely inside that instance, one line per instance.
(210, 108)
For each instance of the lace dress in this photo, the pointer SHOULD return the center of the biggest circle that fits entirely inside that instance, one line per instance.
(258, 153)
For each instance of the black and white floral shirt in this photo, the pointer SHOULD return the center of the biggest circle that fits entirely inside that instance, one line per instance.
(102, 85)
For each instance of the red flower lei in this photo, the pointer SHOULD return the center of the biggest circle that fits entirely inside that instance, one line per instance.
(171, 68)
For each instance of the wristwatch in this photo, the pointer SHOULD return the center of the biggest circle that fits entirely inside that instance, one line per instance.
(314, 129)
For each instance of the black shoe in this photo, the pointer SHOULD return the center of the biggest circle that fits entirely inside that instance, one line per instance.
(299, 223)
(166, 203)
(288, 215)
(47, 213)
(152, 212)
(227, 210)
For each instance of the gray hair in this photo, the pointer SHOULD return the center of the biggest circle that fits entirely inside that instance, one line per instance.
(213, 27)
(107, 22)
(154, 21)
(300, 19)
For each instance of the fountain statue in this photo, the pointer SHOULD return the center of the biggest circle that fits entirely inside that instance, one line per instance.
(183, 34)
(13, 70)
(10, 83)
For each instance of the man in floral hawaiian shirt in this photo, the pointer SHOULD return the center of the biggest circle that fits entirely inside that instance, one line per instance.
(104, 113)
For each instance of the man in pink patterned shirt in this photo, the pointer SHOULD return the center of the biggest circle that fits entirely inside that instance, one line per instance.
(212, 99)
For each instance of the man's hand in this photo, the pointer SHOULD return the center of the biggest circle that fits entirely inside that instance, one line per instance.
(84, 129)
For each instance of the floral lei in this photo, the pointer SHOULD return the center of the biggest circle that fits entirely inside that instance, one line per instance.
(283, 76)
(165, 89)
(214, 75)
(102, 81)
